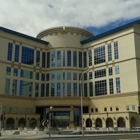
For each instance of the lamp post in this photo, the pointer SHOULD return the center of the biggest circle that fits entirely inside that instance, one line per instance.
(86, 71)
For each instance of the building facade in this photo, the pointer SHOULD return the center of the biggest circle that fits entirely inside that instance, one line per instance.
(43, 72)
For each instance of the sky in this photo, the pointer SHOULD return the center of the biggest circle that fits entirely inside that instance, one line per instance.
(97, 16)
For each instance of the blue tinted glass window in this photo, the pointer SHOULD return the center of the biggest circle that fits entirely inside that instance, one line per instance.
(63, 89)
(85, 89)
(26, 74)
(99, 55)
(9, 54)
(80, 59)
(91, 89)
(26, 88)
(38, 58)
(17, 53)
(14, 88)
(100, 73)
(74, 76)
(42, 90)
(52, 76)
(52, 89)
(27, 56)
(48, 59)
(63, 57)
(8, 71)
(90, 57)
(43, 77)
(63, 75)
(85, 59)
(118, 86)
(43, 59)
(68, 89)
(109, 52)
(68, 76)
(7, 86)
(74, 59)
(58, 89)
(58, 76)
(75, 89)
(15, 72)
(58, 58)
(37, 76)
(36, 89)
(117, 71)
(116, 54)
(69, 58)
(53, 59)
(47, 90)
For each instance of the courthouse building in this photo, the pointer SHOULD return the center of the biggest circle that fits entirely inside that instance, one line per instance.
(43, 72)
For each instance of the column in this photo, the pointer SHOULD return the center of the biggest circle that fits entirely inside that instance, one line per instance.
(71, 114)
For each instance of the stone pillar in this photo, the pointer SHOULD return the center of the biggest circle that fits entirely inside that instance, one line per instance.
(103, 123)
(71, 114)
(27, 123)
(127, 123)
(15, 123)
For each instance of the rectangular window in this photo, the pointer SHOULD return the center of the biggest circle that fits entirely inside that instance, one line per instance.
(68, 89)
(75, 89)
(37, 58)
(59, 58)
(26, 74)
(43, 77)
(111, 89)
(63, 89)
(52, 89)
(68, 76)
(14, 88)
(9, 54)
(127, 107)
(100, 88)
(48, 59)
(7, 86)
(53, 59)
(43, 59)
(110, 71)
(63, 57)
(80, 59)
(116, 55)
(36, 89)
(85, 76)
(118, 86)
(16, 53)
(100, 73)
(105, 109)
(58, 89)
(52, 76)
(27, 56)
(117, 108)
(58, 76)
(63, 75)
(92, 110)
(85, 89)
(90, 75)
(90, 89)
(47, 90)
(37, 76)
(109, 52)
(117, 71)
(8, 70)
(96, 109)
(26, 88)
(99, 55)
(15, 72)
(16, 110)
(133, 107)
(110, 108)
(68, 58)
(90, 57)
(85, 59)
(74, 76)
(47, 77)
(74, 59)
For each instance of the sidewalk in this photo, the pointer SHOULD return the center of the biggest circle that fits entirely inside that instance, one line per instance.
(59, 136)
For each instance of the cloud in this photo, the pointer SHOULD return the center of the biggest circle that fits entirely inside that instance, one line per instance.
(31, 17)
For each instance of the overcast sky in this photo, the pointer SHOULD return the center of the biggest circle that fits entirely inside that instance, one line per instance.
(32, 16)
